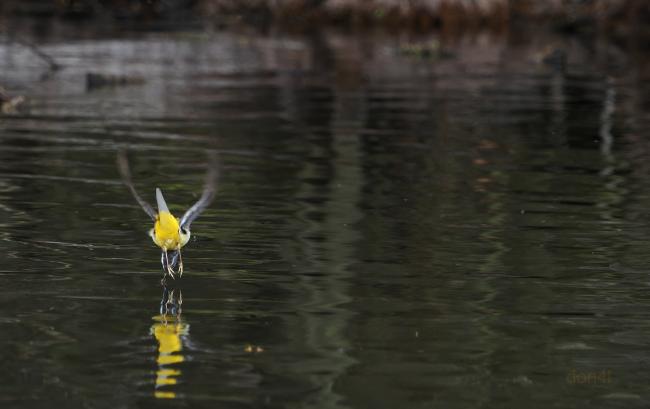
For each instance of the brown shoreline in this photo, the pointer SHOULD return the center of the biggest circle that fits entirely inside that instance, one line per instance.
(622, 17)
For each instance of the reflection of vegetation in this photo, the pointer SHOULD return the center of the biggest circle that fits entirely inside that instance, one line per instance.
(169, 331)
(428, 50)
(8, 104)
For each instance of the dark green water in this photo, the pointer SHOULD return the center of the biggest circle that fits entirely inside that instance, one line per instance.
(390, 231)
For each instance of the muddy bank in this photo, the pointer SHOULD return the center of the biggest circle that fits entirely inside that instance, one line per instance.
(623, 17)
(438, 14)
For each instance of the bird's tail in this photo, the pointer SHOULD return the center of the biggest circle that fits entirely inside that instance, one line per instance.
(162, 205)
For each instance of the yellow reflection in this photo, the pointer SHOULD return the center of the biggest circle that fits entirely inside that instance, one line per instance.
(169, 330)
(164, 395)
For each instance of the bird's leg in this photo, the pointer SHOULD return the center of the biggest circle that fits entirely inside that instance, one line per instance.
(180, 263)
(170, 270)
(163, 281)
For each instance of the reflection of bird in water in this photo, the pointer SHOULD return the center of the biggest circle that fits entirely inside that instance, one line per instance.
(170, 331)
(170, 233)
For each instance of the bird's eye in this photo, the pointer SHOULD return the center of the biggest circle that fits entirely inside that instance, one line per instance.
(183, 230)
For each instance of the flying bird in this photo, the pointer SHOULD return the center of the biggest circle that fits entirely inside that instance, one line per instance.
(168, 232)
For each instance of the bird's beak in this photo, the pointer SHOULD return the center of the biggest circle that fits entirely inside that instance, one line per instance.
(162, 206)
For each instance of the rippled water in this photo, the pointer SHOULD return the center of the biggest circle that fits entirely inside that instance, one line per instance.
(390, 230)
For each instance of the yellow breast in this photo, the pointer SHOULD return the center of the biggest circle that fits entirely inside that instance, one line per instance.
(166, 231)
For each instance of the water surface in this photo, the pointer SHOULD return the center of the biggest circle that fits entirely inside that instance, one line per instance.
(391, 230)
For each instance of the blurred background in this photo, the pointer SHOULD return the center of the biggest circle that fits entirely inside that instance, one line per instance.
(422, 204)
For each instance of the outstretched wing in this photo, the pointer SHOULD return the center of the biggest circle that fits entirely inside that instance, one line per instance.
(125, 172)
(209, 190)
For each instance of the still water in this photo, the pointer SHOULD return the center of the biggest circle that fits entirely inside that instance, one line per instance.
(391, 230)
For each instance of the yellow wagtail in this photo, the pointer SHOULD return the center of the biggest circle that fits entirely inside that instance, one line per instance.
(168, 232)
